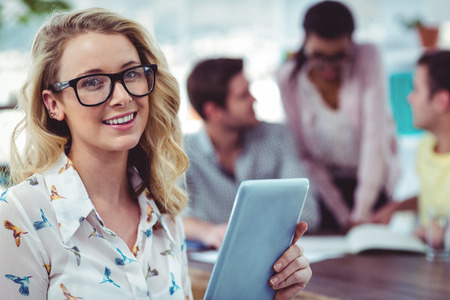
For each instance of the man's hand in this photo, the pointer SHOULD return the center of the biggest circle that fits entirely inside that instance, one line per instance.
(214, 235)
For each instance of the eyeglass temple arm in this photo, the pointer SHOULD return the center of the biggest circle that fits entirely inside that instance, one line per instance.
(59, 86)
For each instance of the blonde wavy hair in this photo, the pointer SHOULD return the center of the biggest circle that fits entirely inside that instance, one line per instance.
(159, 157)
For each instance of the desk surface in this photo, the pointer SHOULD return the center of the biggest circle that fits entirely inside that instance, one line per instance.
(376, 275)
(381, 275)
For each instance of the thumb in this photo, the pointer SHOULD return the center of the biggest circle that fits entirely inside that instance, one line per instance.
(299, 231)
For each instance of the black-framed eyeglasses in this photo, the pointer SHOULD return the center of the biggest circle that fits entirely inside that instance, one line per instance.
(322, 59)
(95, 89)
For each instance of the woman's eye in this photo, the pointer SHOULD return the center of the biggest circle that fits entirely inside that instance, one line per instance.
(92, 82)
(132, 74)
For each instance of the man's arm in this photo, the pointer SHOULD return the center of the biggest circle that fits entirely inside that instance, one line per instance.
(208, 233)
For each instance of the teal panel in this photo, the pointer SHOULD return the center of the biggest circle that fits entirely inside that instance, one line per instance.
(400, 85)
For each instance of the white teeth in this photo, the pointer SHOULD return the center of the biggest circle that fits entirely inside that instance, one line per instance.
(120, 120)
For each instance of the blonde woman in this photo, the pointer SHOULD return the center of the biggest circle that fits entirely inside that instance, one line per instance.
(96, 213)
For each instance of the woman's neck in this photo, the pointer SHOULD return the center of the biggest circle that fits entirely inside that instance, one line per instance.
(106, 181)
(329, 90)
(104, 177)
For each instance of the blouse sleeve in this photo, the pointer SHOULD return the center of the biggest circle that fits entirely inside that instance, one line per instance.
(318, 173)
(330, 194)
(186, 282)
(376, 133)
(23, 262)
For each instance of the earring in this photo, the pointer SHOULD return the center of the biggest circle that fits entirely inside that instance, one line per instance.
(51, 114)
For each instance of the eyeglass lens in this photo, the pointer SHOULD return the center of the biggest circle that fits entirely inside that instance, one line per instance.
(337, 58)
(94, 89)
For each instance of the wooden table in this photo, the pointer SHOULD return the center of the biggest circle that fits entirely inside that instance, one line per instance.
(374, 275)
(381, 275)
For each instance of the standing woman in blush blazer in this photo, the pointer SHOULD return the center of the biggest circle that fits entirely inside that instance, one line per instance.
(333, 92)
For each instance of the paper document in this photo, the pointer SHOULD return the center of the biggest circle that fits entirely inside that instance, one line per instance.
(397, 236)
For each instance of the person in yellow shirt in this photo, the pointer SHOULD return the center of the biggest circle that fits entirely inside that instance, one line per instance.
(430, 104)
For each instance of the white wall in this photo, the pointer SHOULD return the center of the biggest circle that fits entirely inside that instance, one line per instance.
(258, 30)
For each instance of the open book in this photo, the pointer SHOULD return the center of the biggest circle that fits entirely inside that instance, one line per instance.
(361, 238)
(381, 237)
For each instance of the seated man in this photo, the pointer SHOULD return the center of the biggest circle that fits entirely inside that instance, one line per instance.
(430, 104)
(231, 147)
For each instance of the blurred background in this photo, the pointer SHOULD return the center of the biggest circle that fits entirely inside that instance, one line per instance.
(263, 32)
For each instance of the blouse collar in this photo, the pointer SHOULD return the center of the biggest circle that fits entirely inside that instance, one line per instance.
(72, 204)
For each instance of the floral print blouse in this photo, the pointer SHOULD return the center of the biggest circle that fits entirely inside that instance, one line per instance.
(54, 245)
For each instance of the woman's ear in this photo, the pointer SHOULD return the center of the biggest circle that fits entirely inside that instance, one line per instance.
(53, 105)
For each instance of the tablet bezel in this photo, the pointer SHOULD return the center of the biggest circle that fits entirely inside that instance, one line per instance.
(261, 227)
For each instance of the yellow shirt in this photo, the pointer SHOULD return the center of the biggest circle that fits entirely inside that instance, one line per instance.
(434, 172)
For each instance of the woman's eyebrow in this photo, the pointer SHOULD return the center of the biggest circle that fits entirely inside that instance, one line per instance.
(97, 70)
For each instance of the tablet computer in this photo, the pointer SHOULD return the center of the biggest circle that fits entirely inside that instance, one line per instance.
(261, 228)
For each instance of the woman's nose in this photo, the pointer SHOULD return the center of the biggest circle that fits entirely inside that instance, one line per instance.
(119, 95)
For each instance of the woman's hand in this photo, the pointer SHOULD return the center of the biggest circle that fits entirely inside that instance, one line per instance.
(384, 214)
(292, 269)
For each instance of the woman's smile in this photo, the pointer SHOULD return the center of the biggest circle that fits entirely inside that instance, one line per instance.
(121, 119)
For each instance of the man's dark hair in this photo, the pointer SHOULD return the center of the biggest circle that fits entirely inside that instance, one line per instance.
(438, 65)
(327, 19)
(209, 81)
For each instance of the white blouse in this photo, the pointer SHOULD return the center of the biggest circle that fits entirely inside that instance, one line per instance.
(54, 245)
(338, 145)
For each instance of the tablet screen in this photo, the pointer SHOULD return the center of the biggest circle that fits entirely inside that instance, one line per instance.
(261, 227)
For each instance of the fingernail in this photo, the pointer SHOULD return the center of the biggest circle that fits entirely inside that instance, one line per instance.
(274, 280)
(278, 267)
